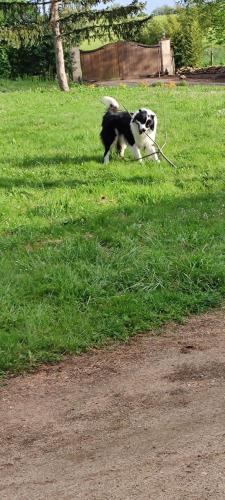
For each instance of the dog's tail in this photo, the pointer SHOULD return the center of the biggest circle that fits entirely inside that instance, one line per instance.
(111, 103)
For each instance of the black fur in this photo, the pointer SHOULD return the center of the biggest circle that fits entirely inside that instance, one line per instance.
(115, 124)
(142, 117)
(121, 129)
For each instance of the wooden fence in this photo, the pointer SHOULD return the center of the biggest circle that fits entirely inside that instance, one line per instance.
(123, 60)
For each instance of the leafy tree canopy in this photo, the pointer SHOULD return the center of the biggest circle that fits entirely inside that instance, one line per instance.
(211, 16)
(24, 22)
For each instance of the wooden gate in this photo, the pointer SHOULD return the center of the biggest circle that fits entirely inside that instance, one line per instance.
(121, 60)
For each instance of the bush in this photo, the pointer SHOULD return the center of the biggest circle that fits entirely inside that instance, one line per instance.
(188, 40)
(183, 83)
(32, 60)
(184, 31)
(4, 63)
(157, 28)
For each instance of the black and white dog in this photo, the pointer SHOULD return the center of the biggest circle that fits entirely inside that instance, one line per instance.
(122, 129)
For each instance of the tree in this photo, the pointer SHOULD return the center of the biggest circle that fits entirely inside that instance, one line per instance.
(4, 63)
(183, 29)
(59, 54)
(159, 27)
(164, 10)
(211, 14)
(188, 39)
(67, 22)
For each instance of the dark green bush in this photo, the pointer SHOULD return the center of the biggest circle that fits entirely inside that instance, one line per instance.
(5, 69)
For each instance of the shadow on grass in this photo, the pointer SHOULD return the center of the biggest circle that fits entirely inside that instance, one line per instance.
(185, 213)
(24, 182)
(79, 281)
(10, 183)
(51, 161)
(171, 216)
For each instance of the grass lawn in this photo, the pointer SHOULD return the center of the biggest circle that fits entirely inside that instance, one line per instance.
(94, 44)
(91, 253)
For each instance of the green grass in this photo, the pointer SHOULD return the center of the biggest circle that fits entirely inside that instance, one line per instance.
(94, 44)
(91, 253)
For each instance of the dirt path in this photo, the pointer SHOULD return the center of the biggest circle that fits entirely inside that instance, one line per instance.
(139, 421)
(197, 80)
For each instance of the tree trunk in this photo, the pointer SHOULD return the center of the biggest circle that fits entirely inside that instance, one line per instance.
(43, 8)
(59, 55)
(211, 56)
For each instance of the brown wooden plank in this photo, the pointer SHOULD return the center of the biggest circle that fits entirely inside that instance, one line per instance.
(121, 60)
(139, 61)
(100, 64)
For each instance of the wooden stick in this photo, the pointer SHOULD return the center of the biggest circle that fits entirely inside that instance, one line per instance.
(160, 150)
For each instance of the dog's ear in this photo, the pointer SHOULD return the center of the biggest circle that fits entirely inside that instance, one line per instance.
(152, 126)
(137, 115)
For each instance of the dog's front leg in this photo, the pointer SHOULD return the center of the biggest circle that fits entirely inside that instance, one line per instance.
(136, 152)
(152, 151)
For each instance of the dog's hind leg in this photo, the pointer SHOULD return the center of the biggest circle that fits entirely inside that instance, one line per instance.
(121, 147)
(106, 157)
(108, 140)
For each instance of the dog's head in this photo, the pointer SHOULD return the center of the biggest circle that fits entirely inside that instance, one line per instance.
(145, 119)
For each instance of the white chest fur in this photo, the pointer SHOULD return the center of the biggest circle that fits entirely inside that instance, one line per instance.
(145, 142)
(142, 140)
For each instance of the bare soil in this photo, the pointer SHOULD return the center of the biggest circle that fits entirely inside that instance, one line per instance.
(142, 420)
(194, 80)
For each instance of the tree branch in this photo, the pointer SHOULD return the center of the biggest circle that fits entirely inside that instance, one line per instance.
(23, 3)
(107, 27)
(29, 3)
(115, 12)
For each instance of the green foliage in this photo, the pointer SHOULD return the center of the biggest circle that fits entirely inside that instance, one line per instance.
(5, 68)
(164, 10)
(91, 253)
(32, 60)
(213, 55)
(182, 84)
(25, 52)
(212, 18)
(95, 43)
(152, 32)
(27, 33)
(21, 24)
(185, 33)
(24, 24)
(158, 27)
(188, 39)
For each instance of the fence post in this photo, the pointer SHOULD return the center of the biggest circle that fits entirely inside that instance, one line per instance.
(167, 57)
(76, 65)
